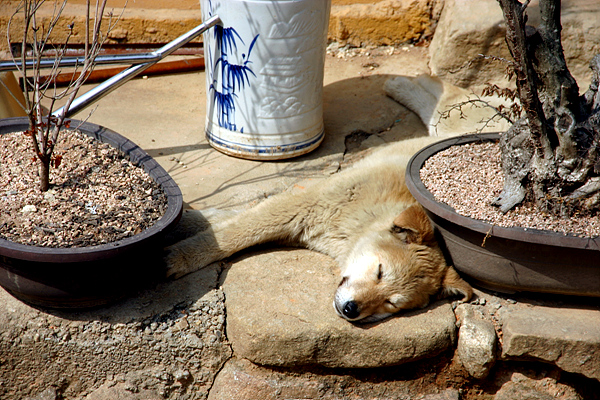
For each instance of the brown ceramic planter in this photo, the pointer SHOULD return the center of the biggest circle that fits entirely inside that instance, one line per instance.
(90, 276)
(512, 259)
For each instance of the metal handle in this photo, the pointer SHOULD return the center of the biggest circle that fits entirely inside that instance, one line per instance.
(116, 81)
(140, 63)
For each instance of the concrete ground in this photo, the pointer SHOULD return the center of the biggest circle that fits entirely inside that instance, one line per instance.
(228, 332)
(165, 116)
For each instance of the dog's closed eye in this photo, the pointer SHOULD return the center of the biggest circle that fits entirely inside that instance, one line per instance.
(344, 280)
(380, 272)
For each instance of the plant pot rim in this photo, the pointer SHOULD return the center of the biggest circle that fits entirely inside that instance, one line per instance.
(104, 251)
(442, 210)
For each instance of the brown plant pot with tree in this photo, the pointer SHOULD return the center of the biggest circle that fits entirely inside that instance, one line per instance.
(90, 276)
(79, 276)
(507, 259)
(549, 157)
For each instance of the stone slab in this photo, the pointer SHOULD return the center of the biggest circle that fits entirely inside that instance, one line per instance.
(240, 379)
(523, 387)
(280, 313)
(384, 22)
(566, 337)
(137, 25)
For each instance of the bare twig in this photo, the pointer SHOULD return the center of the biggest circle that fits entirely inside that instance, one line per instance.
(510, 114)
(44, 130)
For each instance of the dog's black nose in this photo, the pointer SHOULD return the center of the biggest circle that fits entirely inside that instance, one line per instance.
(351, 310)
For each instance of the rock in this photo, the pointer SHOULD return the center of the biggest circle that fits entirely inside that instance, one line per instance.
(279, 313)
(118, 34)
(521, 387)
(581, 37)
(241, 379)
(156, 344)
(517, 391)
(458, 41)
(122, 391)
(46, 394)
(448, 394)
(50, 196)
(29, 208)
(476, 342)
(465, 30)
(567, 337)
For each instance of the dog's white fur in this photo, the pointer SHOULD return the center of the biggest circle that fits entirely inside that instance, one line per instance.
(364, 217)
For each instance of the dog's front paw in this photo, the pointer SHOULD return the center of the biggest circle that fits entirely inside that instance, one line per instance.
(177, 263)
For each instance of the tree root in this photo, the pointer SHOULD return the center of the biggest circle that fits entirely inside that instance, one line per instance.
(590, 187)
(512, 194)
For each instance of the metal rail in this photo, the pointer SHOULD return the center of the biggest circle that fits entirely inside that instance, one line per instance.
(138, 58)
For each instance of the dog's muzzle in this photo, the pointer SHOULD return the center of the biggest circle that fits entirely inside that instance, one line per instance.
(344, 303)
(350, 310)
(345, 308)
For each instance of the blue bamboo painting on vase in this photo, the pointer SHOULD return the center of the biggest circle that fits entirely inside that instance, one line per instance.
(234, 77)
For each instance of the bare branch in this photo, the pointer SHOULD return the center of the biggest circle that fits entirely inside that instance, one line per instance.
(510, 114)
(45, 130)
(496, 58)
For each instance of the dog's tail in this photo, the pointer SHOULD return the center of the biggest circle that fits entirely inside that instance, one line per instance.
(420, 95)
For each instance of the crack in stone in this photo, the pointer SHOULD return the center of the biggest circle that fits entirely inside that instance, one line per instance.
(222, 267)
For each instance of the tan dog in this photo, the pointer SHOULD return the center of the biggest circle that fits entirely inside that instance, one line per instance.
(364, 217)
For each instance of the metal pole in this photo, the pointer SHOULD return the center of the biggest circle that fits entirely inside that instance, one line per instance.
(116, 81)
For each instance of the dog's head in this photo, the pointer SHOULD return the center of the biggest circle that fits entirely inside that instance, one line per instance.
(395, 269)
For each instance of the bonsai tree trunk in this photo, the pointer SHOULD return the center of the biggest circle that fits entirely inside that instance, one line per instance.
(36, 37)
(550, 156)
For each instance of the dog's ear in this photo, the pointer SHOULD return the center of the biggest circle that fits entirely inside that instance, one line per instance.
(453, 284)
(413, 226)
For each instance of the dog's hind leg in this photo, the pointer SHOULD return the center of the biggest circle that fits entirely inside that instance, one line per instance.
(420, 95)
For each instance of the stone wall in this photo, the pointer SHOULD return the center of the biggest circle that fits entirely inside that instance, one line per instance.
(386, 22)
(354, 22)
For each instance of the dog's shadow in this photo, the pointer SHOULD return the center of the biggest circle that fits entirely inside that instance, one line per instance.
(152, 295)
(407, 314)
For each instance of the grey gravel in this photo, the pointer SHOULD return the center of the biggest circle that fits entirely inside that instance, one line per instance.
(96, 195)
(469, 177)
